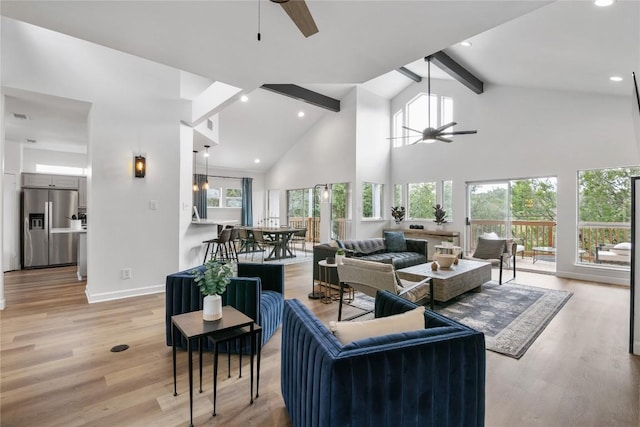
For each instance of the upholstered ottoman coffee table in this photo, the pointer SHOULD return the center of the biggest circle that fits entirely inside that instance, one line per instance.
(450, 282)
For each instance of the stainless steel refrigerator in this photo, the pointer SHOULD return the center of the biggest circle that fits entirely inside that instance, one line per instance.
(43, 210)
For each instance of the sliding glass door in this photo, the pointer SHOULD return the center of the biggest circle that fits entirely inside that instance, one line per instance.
(522, 209)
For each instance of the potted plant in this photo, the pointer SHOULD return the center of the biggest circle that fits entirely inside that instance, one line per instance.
(397, 212)
(213, 281)
(340, 254)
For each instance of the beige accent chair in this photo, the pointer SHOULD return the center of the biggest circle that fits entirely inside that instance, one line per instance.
(499, 252)
(370, 277)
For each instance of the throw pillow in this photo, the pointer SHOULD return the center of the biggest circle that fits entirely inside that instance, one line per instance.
(491, 235)
(623, 249)
(346, 332)
(395, 241)
(334, 244)
(489, 248)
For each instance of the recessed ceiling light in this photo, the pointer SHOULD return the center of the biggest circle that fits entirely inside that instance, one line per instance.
(465, 43)
(603, 3)
(256, 161)
(615, 78)
(244, 98)
(300, 113)
(21, 116)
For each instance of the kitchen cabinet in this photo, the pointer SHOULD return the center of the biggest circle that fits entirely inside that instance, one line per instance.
(40, 180)
(82, 192)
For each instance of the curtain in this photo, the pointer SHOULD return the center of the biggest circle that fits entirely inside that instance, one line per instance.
(247, 204)
(200, 196)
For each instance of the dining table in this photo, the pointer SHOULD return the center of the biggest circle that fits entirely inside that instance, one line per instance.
(280, 238)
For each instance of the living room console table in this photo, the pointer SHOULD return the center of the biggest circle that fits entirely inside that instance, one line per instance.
(193, 327)
(453, 281)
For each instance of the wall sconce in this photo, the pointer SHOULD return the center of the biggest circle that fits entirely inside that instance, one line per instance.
(140, 166)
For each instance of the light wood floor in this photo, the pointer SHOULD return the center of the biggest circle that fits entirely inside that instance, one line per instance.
(57, 370)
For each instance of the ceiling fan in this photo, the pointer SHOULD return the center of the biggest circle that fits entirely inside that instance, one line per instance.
(429, 134)
(300, 15)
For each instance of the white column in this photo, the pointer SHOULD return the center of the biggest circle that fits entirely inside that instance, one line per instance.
(325, 220)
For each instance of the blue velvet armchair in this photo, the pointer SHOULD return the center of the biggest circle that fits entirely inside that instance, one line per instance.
(430, 377)
(258, 292)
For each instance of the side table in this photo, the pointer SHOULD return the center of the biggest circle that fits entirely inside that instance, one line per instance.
(324, 267)
(193, 327)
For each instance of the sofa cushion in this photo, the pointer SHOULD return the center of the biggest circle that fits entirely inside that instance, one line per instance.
(347, 332)
(364, 247)
(395, 241)
(623, 248)
(398, 259)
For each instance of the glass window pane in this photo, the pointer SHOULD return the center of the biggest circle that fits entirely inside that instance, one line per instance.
(417, 113)
(398, 122)
(447, 204)
(422, 199)
(447, 112)
(371, 200)
(213, 197)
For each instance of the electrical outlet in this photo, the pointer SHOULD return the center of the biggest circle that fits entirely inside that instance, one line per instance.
(126, 273)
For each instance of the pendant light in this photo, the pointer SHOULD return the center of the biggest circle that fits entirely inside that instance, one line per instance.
(195, 182)
(205, 186)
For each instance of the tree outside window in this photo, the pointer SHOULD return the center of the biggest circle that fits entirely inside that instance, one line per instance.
(233, 198)
(371, 200)
(213, 197)
(422, 199)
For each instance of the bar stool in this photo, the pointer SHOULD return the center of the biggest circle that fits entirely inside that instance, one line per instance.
(220, 246)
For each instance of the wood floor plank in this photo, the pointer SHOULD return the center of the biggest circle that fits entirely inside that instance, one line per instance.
(56, 367)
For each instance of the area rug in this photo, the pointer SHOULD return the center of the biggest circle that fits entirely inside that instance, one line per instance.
(511, 316)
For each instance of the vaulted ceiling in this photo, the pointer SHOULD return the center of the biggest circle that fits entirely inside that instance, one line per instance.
(554, 45)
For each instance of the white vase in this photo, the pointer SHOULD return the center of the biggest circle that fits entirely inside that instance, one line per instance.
(212, 307)
(339, 259)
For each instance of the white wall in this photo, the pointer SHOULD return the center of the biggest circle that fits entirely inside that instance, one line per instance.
(136, 107)
(325, 154)
(373, 155)
(524, 133)
(33, 157)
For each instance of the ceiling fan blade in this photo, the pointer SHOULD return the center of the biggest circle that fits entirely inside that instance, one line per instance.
(300, 15)
(448, 125)
(460, 132)
(439, 138)
(415, 142)
(398, 137)
(413, 130)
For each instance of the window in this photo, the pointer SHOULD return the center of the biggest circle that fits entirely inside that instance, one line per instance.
(300, 204)
(224, 198)
(422, 199)
(213, 197)
(604, 198)
(233, 198)
(340, 211)
(398, 130)
(372, 200)
(416, 112)
(65, 170)
(447, 199)
(397, 195)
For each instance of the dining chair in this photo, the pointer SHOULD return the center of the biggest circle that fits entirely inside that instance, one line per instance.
(300, 236)
(262, 242)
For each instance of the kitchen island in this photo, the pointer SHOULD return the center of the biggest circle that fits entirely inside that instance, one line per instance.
(81, 258)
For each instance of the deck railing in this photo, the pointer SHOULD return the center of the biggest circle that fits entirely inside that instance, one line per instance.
(532, 234)
(341, 228)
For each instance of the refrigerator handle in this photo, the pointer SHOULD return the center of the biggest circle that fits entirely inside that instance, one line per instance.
(47, 213)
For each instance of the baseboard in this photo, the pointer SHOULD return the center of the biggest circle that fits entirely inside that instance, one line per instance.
(129, 293)
(593, 278)
(2, 303)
